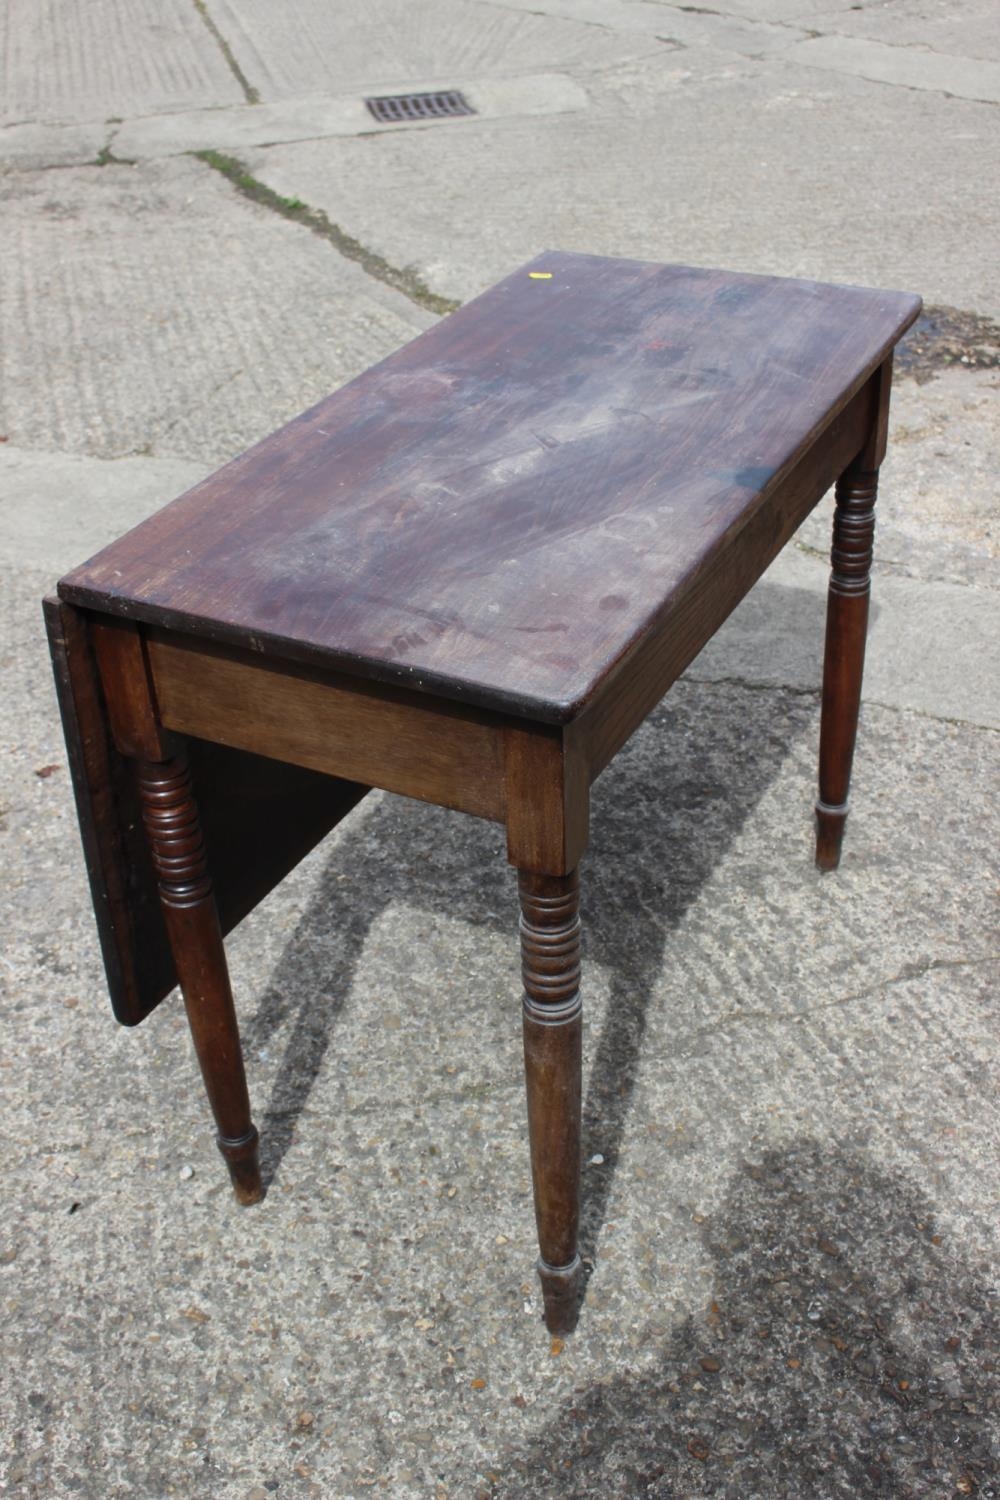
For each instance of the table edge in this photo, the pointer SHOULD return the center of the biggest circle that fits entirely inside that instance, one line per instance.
(377, 670)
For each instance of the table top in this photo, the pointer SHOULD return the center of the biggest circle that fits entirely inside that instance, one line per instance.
(498, 512)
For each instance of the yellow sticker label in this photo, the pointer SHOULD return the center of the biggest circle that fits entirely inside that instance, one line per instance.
(540, 275)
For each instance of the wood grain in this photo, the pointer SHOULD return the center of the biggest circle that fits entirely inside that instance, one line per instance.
(137, 959)
(547, 792)
(124, 672)
(498, 512)
(401, 742)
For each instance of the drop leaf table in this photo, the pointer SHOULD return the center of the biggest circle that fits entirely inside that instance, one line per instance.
(467, 577)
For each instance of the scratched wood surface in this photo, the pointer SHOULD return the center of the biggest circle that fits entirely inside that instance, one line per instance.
(506, 506)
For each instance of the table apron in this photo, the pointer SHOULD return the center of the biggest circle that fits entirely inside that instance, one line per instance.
(436, 752)
(698, 608)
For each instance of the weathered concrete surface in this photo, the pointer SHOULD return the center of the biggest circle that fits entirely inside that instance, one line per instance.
(307, 45)
(108, 59)
(932, 647)
(57, 508)
(685, 156)
(937, 509)
(146, 312)
(961, 77)
(321, 116)
(34, 146)
(793, 1185)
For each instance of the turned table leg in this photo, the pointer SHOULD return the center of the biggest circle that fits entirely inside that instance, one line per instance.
(170, 817)
(173, 831)
(844, 659)
(550, 950)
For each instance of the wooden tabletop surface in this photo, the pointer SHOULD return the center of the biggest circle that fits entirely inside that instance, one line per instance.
(501, 509)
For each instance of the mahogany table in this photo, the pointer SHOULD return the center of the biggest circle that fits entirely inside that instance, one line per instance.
(468, 577)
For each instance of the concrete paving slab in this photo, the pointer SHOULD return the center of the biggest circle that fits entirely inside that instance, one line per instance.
(152, 309)
(936, 647)
(932, 647)
(58, 508)
(969, 30)
(937, 507)
(910, 68)
(108, 58)
(686, 25)
(622, 16)
(33, 146)
(308, 46)
(725, 33)
(655, 169)
(323, 115)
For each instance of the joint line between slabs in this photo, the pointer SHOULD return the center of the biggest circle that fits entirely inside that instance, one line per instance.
(250, 94)
(314, 219)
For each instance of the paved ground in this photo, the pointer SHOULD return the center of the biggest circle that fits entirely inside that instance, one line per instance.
(792, 1208)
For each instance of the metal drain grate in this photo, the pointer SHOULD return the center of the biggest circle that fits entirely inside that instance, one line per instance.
(391, 109)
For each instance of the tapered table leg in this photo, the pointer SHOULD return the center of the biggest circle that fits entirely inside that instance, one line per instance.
(550, 950)
(844, 658)
(170, 816)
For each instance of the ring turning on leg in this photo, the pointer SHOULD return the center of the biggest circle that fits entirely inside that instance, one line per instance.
(550, 951)
(844, 658)
(170, 817)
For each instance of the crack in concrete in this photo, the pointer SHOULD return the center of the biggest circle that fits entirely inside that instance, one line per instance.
(106, 157)
(606, 26)
(916, 970)
(886, 83)
(403, 280)
(806, 32)
(250, 94)
(480, 1089)
(809, 33)
(548, 15)
(881, 41)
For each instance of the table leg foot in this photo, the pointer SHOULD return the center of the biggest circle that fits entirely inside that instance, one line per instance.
(242, 1157)
(844, 657)
(830, 823)
(562, 1291)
